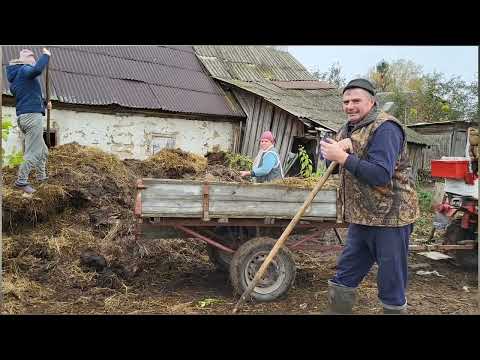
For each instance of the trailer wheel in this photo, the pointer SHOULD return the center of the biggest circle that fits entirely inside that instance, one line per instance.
(221, 259)
(246, 261)
(231, 236)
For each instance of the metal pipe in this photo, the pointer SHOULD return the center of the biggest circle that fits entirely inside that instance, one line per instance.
(204, 238)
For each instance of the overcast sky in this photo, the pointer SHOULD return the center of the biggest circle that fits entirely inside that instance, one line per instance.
(356, 60)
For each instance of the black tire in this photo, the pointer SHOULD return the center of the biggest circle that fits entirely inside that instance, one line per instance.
(246, 261)
(221, 259)
(467, 259)
(229, 236)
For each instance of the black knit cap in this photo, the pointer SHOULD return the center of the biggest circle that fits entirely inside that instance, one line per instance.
(362, 84)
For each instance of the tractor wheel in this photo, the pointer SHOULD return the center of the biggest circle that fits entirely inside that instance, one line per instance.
(467, 259)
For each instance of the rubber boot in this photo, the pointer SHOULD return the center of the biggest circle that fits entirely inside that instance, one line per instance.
(340, 299)
(395, 311)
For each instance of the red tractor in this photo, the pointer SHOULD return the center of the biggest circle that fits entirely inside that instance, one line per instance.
(457, 213)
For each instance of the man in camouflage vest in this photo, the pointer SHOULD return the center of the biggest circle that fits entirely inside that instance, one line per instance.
(377, 198)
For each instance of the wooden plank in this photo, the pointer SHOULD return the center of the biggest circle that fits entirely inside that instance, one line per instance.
(176, 208)
(245, 100)
(286, 139)
(253, 129)
(246, 139)
(269, 209)
(236, 138)
(300, 128)
(231, 192)
(297, 197)
(265, 193)
(267, 123)
(261, 119)
(459, 144)
(256, 135)
(281, 130)
(275, 120)
(248, 129)
(294, 132)
(248, 209)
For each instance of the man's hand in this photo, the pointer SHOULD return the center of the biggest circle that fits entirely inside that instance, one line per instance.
(333, 151)
(45, 51)
(245, 173)
(346, 145)
(49, 105)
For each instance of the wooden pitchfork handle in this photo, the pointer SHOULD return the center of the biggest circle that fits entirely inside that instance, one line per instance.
(284, 236)
(47, 93)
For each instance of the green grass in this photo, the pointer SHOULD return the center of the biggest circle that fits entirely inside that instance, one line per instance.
(424, 199)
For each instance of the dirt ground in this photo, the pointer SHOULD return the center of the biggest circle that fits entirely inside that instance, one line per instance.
(70, 250)
(178, 278)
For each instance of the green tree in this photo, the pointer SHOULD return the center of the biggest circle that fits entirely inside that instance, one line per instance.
(333, 75)
(424, 97)
(398, 75)
(16, 158)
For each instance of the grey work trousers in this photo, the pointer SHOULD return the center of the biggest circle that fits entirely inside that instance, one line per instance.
(36, 152)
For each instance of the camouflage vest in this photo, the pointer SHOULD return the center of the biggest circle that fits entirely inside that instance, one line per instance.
(394, 204)
(277, 171)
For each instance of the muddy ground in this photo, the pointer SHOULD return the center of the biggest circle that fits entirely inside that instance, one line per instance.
(178, 278)
(70, 250)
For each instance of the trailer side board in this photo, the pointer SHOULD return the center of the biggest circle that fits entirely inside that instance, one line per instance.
(185, 198)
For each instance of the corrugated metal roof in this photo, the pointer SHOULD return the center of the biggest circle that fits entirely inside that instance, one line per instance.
(321, 106)
(447, 122)
(169, 78)
(250, 62)
(279, 78)
(276, 76)
(303, 84)
(417, 138)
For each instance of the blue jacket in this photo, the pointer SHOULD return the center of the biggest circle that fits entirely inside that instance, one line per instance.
(269, 167)
(25, 86)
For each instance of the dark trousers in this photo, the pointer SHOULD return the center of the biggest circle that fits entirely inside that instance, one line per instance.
(388, 247)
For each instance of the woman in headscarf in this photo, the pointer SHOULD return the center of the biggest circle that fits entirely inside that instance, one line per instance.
(267, 165)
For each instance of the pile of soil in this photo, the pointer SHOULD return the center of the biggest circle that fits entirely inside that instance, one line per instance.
(79, 177)
(76, 232)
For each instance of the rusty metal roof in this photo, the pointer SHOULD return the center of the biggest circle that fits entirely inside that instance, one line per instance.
(167, 78)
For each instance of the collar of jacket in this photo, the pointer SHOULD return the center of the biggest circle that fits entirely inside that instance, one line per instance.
(371, 117)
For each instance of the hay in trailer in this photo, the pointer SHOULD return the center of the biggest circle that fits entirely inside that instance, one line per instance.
(306, 183)
(173, 164)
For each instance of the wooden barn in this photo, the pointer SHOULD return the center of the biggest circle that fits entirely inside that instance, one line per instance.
(447, 138)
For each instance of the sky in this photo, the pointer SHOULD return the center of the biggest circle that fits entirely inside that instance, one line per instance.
(357, 60)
